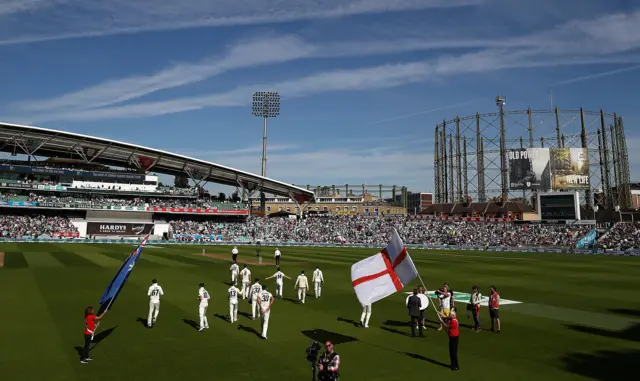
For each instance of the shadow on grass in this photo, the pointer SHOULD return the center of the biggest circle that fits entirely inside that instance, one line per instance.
(221, 317)
(632, 333)
(142, 321)
(396, 323)
(395, 331)
(356, 324)
(602, 365)
(97, 339)
(191, 323)
(321, 336)
(294, 301)
(432, 361)
(245, 314)
(625, 311)
(250, 330)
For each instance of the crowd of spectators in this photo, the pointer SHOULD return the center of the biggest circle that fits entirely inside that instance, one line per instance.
(84, 200)
(375, 230)
(355, 229)
(622, 236)
(17, 226)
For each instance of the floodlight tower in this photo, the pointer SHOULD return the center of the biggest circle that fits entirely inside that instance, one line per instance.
(266, 104)
(500, 102)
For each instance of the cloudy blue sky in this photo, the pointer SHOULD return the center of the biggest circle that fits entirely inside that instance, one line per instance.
(363, 82)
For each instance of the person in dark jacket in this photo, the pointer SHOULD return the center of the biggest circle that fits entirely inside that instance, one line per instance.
(414, 304)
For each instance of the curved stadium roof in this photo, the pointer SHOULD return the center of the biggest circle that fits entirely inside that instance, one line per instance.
(37, 141)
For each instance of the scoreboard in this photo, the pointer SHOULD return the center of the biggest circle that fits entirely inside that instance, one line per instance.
(559, 206)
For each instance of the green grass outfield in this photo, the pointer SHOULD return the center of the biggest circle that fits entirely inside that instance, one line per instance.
(579, 318)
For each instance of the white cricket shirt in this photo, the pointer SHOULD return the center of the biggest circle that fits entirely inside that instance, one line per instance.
(233, 294)
(205, 297)
(155, 292)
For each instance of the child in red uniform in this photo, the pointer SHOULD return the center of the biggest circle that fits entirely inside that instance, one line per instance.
(90, 326)
(454, 331)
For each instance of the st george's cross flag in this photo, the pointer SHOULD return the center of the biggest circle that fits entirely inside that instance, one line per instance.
(114, 288)
(383, 274)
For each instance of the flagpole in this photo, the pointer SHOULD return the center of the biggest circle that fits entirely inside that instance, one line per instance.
(105, 311)
(422, 282)
(434, 307)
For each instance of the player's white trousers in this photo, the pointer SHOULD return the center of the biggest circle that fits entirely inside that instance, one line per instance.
(265, 323)
(234, 278)
(233, 311)
(255, 306)
(202, 311)
(245, 290)
(154, 310)
(279, 289)
(318, 288)
(366, 315)
(302, 293)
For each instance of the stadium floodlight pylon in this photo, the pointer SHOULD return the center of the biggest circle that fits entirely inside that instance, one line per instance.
(266, 104)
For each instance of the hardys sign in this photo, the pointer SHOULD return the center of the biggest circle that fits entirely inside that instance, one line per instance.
(122, 229)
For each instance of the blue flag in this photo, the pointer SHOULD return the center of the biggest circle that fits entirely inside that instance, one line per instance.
(112, 291)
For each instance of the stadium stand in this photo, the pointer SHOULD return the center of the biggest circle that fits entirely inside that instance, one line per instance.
(374, 230)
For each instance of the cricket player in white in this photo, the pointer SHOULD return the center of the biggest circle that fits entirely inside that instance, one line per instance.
(366, 315)
(279, 275)
(317, 280)
(245, 274)
(302, 284)
(235, 269)
(233, 303)
(254, 293)
(154, 293)
(203, 296)
(266, 300)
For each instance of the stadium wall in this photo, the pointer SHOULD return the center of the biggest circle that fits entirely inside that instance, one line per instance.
(81, 226)
(161, 228)
(373, 247)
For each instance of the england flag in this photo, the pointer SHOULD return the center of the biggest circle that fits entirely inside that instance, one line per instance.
(383, 274)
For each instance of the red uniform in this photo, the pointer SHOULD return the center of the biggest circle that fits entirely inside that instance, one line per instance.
(453, 328)
(494, 301)
(89, 324)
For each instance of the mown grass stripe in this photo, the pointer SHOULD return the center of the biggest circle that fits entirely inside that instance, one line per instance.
(164, 261)
(14, 260)
(71, 259)
(42, 259)
(100, 259)
(191, 260)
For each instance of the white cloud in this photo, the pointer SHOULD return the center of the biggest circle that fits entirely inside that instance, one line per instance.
(244, 54)
(597, 75)
(217, 155)
(11, 7)
(81, 18)
(377, 77)
(568, 44)
(386, 165)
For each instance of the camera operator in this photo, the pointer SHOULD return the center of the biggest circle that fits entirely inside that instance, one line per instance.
(329, 364)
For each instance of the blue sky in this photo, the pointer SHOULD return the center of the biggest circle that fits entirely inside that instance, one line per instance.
(363, 82)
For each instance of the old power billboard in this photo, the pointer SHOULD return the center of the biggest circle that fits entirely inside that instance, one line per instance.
(529, 168)
(569, 168)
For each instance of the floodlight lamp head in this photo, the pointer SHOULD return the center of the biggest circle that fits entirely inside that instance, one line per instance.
(501, 101)
(266, 104)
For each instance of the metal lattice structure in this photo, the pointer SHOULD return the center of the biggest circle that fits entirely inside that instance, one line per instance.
(470, 153)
